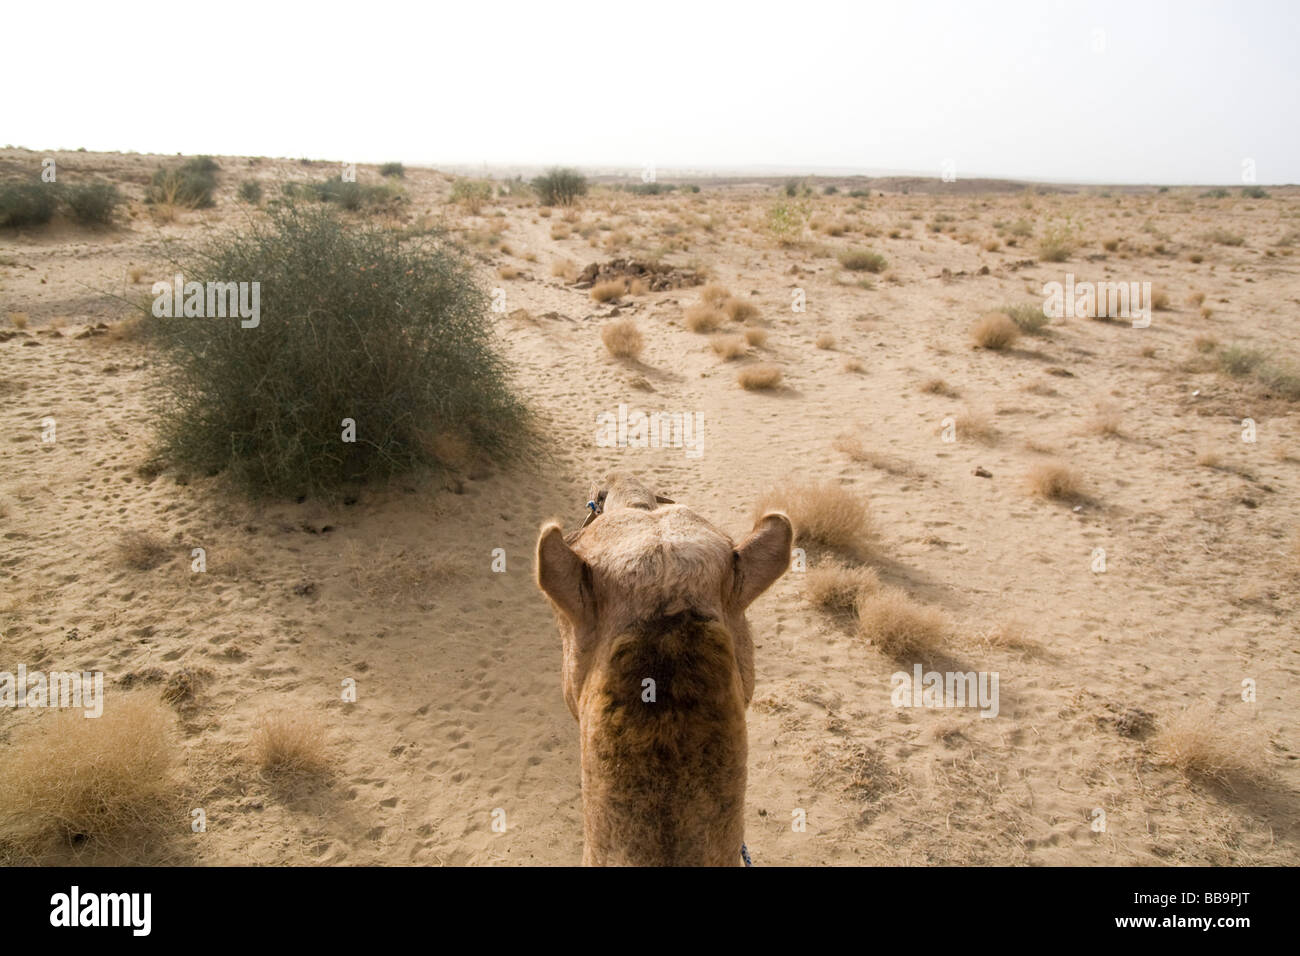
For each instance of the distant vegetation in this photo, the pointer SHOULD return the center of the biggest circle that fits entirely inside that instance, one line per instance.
(191, 184)
(33, 202)
(560, 186)
(27, 203)
(352, 196)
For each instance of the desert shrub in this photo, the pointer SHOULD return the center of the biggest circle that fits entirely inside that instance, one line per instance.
(995, 331)
(1239, 361)
(191, 184)
(623, 339)
(392, 169)
(201, 165)
(250, 191)
(648, 189)
(92, 203)
(471, 193)
(862, 260)
(1273, 374)
(1028, 318)
(560, 186)
(1254, 192)
(785, 222)
(1219, 193)
(1223, 238)
(352, 196)
(27, 203)
(1057, 243)
(756, 337)
(385, 329)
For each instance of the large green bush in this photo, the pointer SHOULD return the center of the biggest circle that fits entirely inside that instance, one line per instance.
(27, 202)
(190, 184)
(357, 323)
(92, 203)
(560, 186)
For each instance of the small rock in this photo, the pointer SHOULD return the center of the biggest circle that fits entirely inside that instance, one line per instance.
(983, 473)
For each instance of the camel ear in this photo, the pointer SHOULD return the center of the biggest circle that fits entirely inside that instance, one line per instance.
(762, 557)
(563, 576)
(660, 499)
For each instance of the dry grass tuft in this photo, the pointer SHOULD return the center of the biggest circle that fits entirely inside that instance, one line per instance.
(1106, 419)
(977, 425)
(824, 513)
(703, 317)
(623, 339)
(937, 386)
(826, 341)
(610, 290)
(836, 586)
(1199, 742)
(738, 310)
(565, 269)
(758, 378)
(291, 742)
(729, 347)
(756, 337)
(995, 331)
(1055, 481)
(141, 551)
(72, 777)
(715, 295)
(899, 626)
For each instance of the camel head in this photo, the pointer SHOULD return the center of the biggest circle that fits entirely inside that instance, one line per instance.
(650, 602)
(641, 557)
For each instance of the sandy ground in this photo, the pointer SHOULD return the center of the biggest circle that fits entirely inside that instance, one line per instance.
(459, 710)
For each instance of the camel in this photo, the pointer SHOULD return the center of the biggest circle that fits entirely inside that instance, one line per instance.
(650, 600)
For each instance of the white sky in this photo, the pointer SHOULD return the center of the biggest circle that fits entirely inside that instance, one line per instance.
(1179, 92)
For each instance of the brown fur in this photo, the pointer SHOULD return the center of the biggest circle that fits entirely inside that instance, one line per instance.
(650, 590)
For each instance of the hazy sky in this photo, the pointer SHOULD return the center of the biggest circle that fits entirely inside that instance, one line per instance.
(1135, 91)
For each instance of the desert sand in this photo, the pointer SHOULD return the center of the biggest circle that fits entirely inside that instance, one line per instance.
(459, 711)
